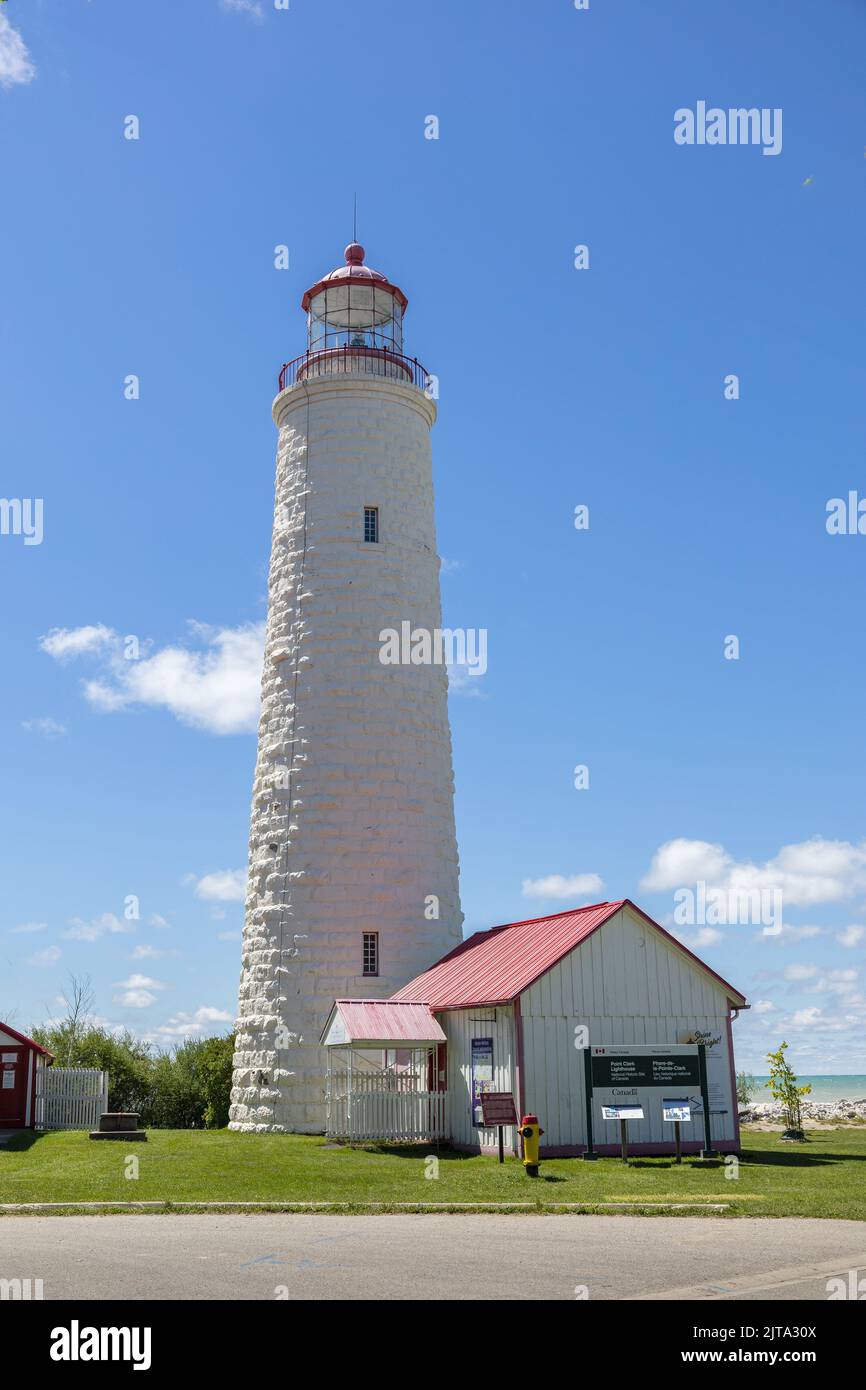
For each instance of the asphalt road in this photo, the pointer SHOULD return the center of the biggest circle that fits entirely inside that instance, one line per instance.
(429, 1257)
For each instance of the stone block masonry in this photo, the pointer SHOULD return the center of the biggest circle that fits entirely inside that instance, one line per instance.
(352, 826)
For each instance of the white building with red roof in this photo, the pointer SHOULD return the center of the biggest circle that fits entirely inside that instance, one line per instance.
(517, 1007)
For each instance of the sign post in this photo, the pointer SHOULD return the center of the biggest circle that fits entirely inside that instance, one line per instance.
(497, 1111)
(623, 1113)
(675, 1110)
(589, 1151)
(707, 1151)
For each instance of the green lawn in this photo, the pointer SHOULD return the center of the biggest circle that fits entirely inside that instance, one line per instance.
(824, 1177)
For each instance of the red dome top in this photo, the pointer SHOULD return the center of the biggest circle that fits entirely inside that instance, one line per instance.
(355, 272)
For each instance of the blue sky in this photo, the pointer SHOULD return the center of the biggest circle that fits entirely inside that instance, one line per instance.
(558, 387)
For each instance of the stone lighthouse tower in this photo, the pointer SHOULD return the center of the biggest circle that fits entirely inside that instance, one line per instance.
(353, 875)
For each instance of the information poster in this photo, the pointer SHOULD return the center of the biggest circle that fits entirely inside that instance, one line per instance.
(718, 1075)
(482, 1074)
(637, 1076)
(675, 1110)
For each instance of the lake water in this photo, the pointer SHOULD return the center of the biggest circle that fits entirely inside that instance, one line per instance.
(824, 1088)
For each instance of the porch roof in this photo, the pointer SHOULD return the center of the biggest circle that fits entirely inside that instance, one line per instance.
(381, 1023)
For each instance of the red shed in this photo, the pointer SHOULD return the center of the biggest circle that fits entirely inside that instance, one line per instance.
(20, 1059)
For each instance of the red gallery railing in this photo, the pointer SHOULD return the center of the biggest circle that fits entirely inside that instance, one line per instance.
(354, 361)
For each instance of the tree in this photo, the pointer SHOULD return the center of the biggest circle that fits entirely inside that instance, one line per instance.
(746, 1087)
(784, 1089)
(127, 1061)
(215, 1078)
(188, 1087)
(68, 1033)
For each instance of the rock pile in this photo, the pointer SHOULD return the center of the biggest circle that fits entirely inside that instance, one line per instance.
(819, 1111)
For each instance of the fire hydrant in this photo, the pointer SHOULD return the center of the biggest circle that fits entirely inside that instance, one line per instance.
(530, 1133)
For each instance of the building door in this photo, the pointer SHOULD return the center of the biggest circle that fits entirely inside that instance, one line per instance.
(437, 1068)
(13, 1087)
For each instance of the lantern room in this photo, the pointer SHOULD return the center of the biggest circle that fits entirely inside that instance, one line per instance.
(354, 306)
(354, 325)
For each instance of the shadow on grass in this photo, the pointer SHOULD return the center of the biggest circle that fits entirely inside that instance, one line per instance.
(795, 1158)
(654, 1164)
(20, 1142)
(414, 1151)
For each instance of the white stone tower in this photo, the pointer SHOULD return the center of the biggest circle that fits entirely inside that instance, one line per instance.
(353, 853)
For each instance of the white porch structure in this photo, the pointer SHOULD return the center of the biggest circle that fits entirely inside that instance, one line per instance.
(384, 1078)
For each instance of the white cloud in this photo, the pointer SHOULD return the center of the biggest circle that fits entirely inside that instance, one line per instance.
(106, 925)
(160, 922)
(139, 982)
(851, 936)
(800, 972)
(813, 871)
(190, 1025)
(840, 982)
(252, 8)
(65, 643)
(789, 936)
(48, 728)
(147, 953)
(43, 960)
(138, 991)
(763, 1006)
(562, 886)
(135, 998)
(207, 1014)
(680, 862)
(27, 927)
(216, 688)
(805, 1018)
(462, 682)
(16, 65)
(698, 940)
(224, 886)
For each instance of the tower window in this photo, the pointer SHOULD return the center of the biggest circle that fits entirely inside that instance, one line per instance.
(371, 953)
(371, 525)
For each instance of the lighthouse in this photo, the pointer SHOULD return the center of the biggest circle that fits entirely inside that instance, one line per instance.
(353, 873)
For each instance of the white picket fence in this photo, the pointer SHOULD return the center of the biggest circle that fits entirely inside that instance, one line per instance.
(70, 1097)
(382, 1106)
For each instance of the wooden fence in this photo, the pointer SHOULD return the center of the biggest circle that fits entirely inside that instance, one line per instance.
(70, 1097)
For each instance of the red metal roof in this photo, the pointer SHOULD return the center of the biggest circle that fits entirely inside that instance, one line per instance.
(495, 966)
(386, 1020)
(355, 272)
(23, 1038)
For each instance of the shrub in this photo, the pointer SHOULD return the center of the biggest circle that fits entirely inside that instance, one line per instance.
(784, 1088)
(188, 1088)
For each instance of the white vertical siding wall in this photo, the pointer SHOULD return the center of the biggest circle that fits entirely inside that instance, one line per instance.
(460, 1026)
(628, 985)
